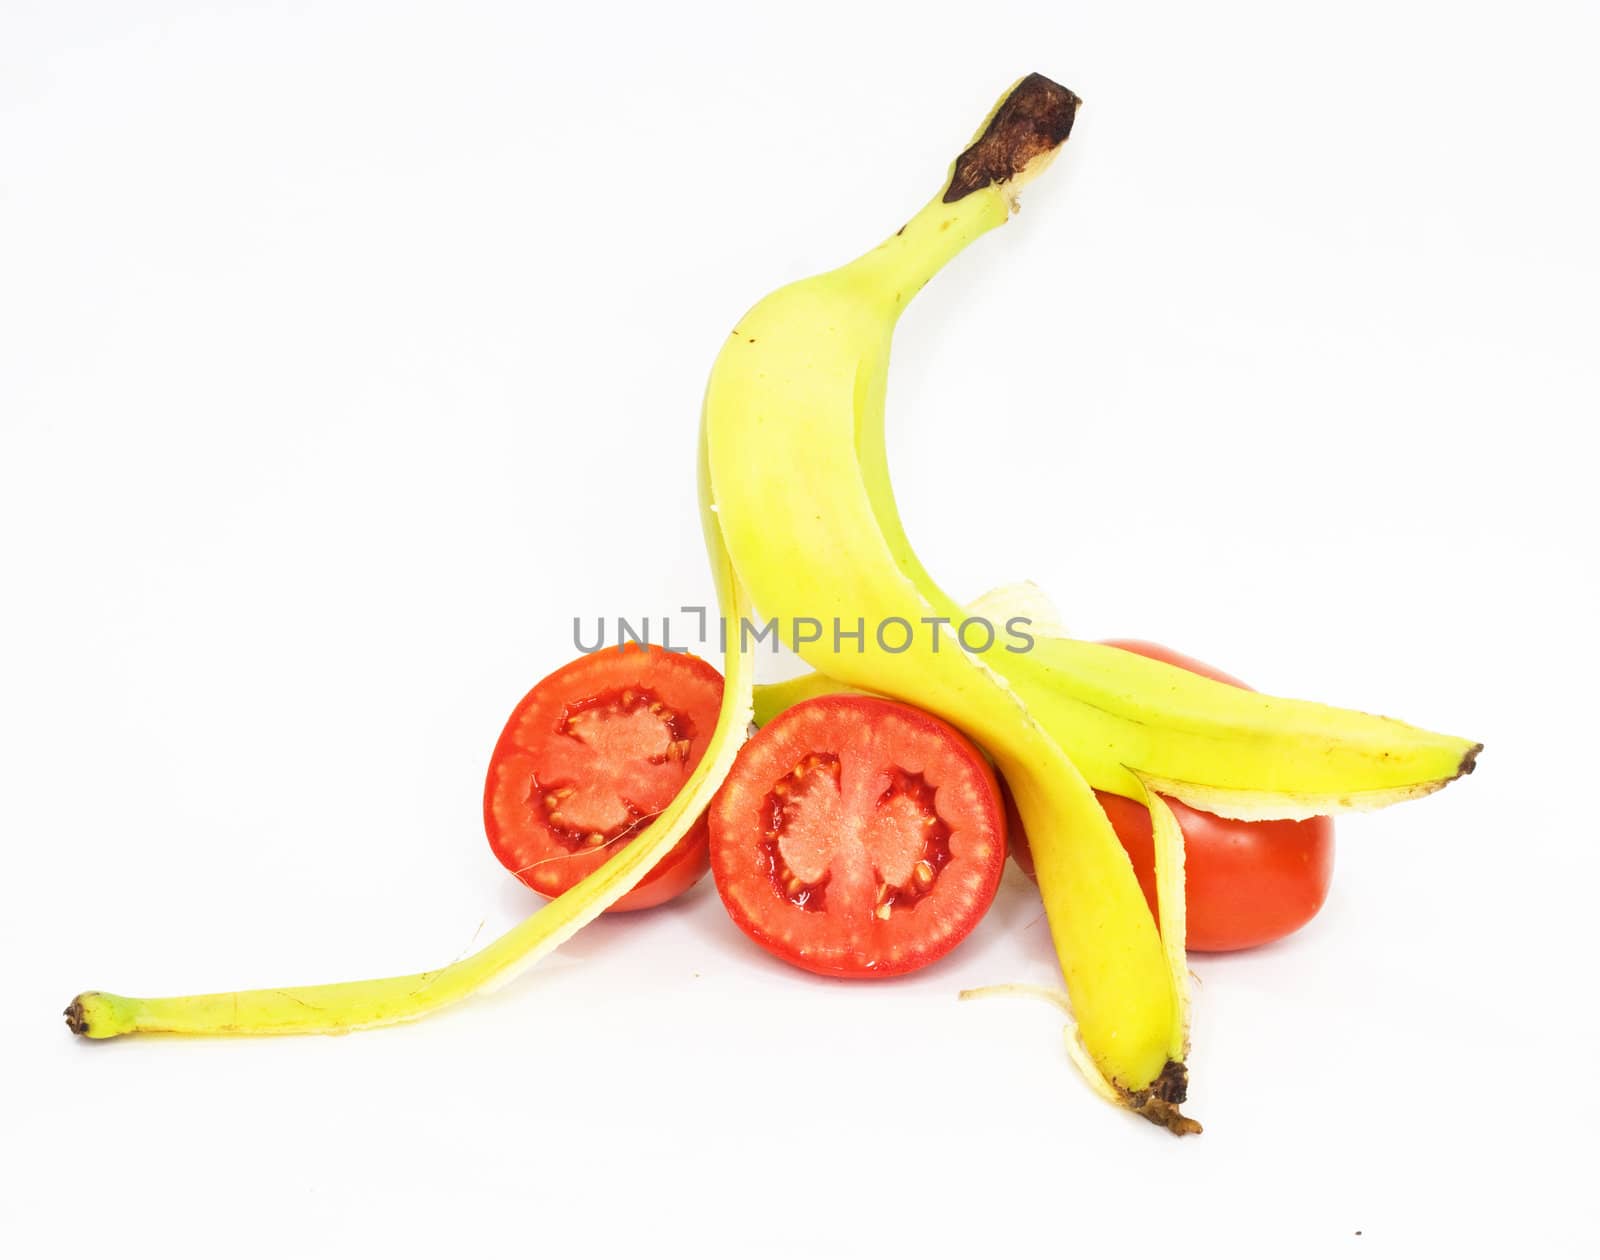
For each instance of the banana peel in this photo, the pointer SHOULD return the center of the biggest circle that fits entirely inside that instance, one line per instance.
(801, 522)
(351, 1005)
(799, 476)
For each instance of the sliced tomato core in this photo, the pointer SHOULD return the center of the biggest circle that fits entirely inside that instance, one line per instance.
(857, 836)
(589, 757)
(892, 846)
(597, 783)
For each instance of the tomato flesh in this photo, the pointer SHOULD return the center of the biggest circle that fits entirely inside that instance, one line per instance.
(589, 757)
(1246, 883)
(857, 837)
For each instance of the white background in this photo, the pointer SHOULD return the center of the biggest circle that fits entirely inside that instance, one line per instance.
(348, 350)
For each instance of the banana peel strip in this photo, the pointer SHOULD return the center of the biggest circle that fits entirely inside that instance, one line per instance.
(1297, 742)
(1172, 913)
(1172, 907)
(1244, 805)
(345, 1007)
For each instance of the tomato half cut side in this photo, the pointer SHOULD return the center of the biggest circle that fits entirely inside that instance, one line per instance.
(1246, 883)
(589, 757)
(858, 837)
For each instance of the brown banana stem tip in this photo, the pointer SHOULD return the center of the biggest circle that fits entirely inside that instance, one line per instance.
(1034, 120)
(1159, 1103)
(77, 1018)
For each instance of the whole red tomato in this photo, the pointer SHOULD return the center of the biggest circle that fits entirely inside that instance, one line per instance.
(1246, 883)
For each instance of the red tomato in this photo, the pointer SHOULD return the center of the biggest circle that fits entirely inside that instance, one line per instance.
(858, 837)
(1246, 883)
(589, 757)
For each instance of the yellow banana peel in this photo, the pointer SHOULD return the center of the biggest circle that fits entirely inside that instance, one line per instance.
(344, 1007)
(794, 431)
(801, 523)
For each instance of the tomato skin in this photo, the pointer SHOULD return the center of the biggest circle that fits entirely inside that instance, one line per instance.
(1246, 883)
(895, 790)
(519, 836)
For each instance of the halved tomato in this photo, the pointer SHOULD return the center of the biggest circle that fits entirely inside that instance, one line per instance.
(1246, 883)
(589, 757)
(858, 837)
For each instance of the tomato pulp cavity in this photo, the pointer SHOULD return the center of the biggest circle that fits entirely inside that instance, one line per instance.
(858, 837)
(1246, 883)
(589, 757)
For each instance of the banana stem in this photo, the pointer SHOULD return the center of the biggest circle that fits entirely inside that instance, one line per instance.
(897, 270)
(1013, 146)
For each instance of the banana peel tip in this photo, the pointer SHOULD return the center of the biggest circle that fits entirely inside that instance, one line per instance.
(1031, 122)
(77, 1016)
(1161, 1100)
